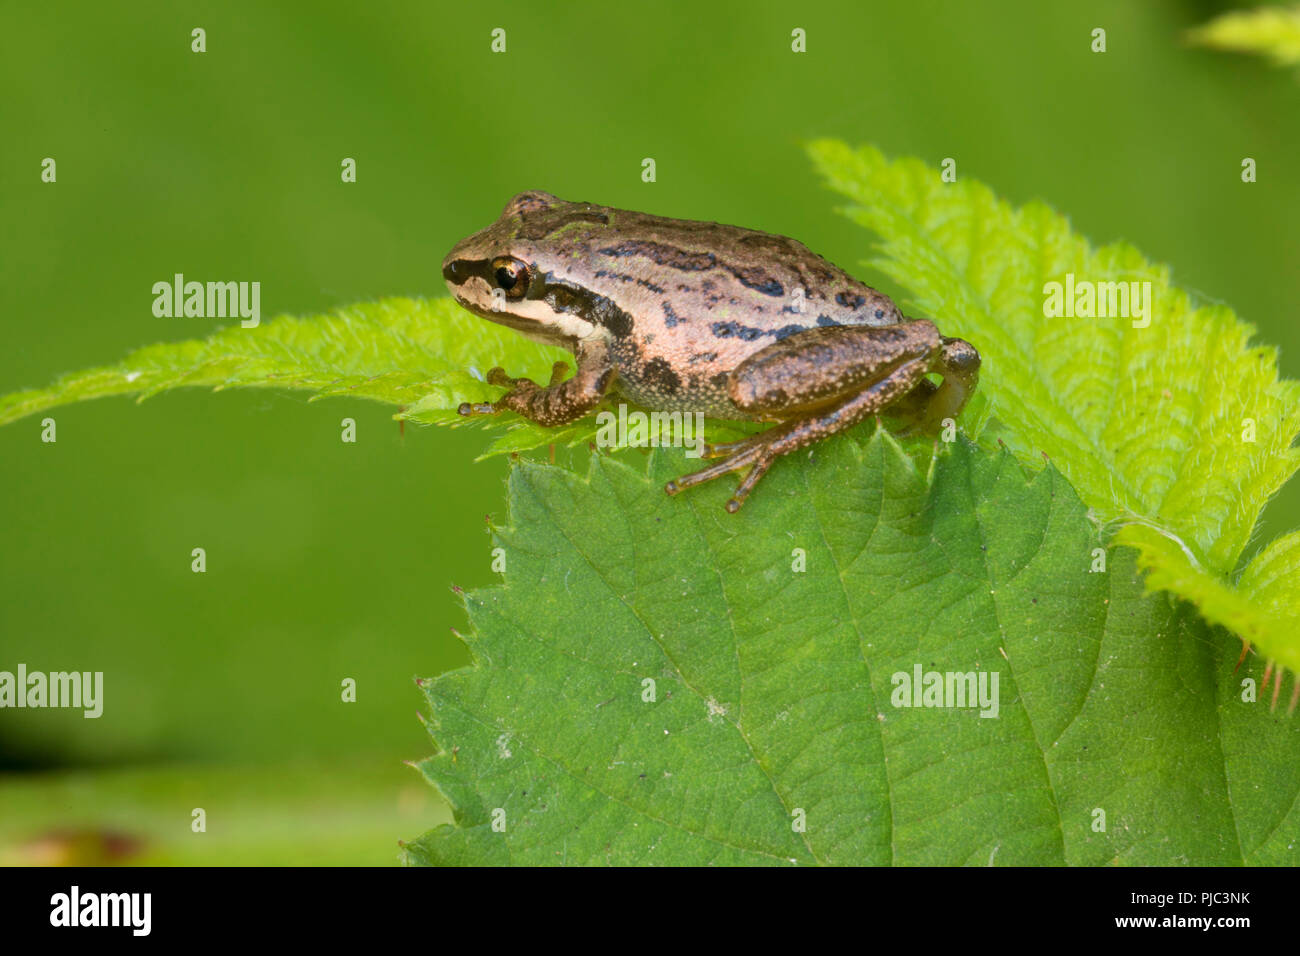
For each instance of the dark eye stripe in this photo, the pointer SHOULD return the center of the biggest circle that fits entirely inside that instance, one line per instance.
(460, 271)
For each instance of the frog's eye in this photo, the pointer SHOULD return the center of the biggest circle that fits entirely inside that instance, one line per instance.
(512, 276)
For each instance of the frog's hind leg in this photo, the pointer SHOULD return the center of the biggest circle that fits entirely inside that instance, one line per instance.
(760, 453)
(926, 406)
(821, 381)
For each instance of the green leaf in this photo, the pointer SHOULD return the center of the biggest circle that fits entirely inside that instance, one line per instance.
(426, 355)
(1147, 423)
(773, 687)
(1273, 32)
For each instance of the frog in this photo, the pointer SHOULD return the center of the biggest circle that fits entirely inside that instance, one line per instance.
(692, 316)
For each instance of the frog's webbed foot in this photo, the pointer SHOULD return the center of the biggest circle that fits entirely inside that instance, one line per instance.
(746, 452)
(754, 455)
(727, 449)
(495, 376)
(832, 378)
(558, 403)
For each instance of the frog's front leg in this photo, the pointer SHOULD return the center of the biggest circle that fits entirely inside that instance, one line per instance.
(560, 402)
(826, 380)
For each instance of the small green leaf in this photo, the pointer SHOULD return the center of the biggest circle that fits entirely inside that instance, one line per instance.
(1175, 434)
(772, 694)
(403, 351)
(1273, 32)
(425, 354)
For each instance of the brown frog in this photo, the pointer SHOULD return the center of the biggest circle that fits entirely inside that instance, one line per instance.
(688, 316)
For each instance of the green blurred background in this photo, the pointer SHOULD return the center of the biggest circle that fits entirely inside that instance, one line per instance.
(328, 560)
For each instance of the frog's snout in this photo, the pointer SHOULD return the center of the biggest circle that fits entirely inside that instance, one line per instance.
(452, 271)
(466, 281)
(457, 272)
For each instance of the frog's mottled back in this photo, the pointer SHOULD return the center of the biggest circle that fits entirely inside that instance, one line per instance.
(681, 302)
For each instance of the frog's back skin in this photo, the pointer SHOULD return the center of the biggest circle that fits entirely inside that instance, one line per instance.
(682, 302)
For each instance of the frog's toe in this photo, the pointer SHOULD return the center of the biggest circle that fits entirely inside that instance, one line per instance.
(484, 408)
(558, 371)
(760, 468)
(498, 376)
(731, 447)
(733, 463)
